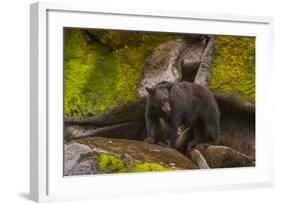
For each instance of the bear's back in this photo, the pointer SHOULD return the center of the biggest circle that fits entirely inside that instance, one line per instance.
(192, 89)
(197, 94)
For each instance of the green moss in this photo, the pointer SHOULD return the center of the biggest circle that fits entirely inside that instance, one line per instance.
(102, 76)
(150, 167)
(109, 163)
(233, 67)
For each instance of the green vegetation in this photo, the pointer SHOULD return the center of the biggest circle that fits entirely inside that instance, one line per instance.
(102, 69)
(104, 74)
(109, 163)
(233, 66)
(149, 167)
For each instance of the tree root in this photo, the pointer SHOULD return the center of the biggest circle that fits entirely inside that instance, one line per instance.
(127, 130)
(203, 73)
(199, 159)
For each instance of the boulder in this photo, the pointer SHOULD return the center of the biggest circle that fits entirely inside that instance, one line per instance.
(224, 157)
(72, 153)
(162, 65)
(190, 60)
(95, 155)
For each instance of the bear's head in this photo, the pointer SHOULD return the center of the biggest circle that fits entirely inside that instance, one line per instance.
(159, 97)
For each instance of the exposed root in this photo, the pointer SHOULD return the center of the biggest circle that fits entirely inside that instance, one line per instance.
(203, 73)
(199, 159)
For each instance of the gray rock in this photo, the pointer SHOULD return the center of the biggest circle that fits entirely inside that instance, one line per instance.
(162, 65)
(190, 60)
(132, 152)
(82, 157)
(72, 154)
(86, 165)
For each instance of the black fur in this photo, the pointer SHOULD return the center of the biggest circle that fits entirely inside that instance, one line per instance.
(191, 105)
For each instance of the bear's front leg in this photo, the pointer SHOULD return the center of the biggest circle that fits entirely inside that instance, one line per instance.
(150, 130)
(173, 130)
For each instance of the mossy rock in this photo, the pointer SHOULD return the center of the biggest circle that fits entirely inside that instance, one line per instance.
(98, 155)
(233, 67)
(121, 155)
(102, 69)
(151, 167)
(109, 163)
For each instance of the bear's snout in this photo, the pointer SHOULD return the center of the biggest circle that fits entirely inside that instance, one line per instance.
(166, 107)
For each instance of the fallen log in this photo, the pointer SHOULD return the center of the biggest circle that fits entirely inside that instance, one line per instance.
(127, 130)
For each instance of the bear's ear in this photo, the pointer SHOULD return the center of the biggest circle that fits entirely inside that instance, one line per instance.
(169, 85)
(150, 91)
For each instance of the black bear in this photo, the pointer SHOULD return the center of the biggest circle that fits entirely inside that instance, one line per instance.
(182, 103)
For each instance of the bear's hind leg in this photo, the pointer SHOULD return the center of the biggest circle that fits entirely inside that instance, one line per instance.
(197, 137)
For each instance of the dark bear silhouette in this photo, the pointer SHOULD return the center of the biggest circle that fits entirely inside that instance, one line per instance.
(182, 103)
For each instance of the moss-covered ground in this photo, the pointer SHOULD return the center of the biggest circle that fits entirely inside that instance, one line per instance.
(233, 66)
(102, 75)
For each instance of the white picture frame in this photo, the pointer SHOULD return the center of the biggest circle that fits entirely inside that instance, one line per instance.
(46, 132)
